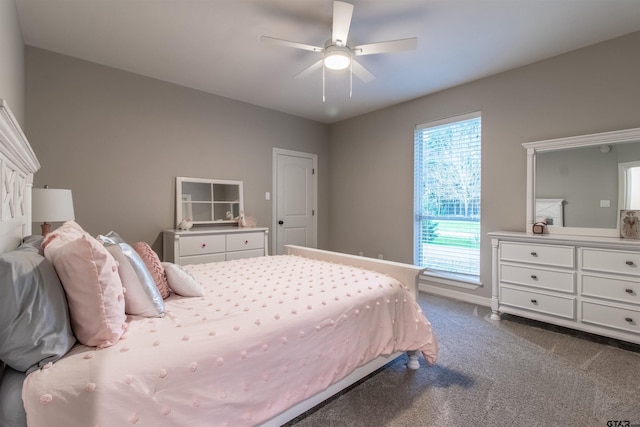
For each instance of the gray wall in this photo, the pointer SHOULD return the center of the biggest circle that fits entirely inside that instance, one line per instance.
(595, 89)
(118, 140)
(12, 80)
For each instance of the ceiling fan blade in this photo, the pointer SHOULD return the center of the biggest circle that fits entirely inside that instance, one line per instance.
(385, 47)
(360, 72)
(288, 43)
(342, 13)
(310, 69)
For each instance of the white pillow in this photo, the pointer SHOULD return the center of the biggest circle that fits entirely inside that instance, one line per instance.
(181, 281)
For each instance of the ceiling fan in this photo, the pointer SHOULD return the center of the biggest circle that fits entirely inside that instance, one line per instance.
(337, 53)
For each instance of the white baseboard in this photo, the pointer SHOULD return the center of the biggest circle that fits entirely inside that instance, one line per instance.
(449, 293)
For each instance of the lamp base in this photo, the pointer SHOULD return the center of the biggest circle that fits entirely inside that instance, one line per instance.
(46, 228)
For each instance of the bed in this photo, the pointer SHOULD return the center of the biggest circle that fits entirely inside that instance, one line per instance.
(257, 341)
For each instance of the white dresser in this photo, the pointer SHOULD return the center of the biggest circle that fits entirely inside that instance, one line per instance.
(212, 244)
(586, 283)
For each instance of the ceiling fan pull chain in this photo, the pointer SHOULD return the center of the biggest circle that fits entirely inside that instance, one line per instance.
(323, 97)
(350, 77)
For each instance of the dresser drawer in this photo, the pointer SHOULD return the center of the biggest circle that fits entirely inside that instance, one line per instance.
(244, 254)
(201, 259)
(537, 277)
(557, 256)
(244, 241)
(614, 288)
(611, 261)
(201, 244)
(613, 317)
(535, 301)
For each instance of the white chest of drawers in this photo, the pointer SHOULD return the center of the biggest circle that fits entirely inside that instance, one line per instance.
(214, 244)
(586, 283)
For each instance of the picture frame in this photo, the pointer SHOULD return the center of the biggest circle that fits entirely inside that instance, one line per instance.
(629, 224)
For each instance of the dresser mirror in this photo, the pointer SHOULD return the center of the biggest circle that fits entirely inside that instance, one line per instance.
(579, 184)
(208, 201)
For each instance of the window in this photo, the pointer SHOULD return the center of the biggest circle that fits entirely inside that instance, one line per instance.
(447, 196)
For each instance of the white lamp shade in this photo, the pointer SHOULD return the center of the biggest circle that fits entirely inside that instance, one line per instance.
(52, 205)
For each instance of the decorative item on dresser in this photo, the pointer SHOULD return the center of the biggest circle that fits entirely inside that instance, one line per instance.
(212, 244)
(208, 202)
(630, 224)
(581, 282)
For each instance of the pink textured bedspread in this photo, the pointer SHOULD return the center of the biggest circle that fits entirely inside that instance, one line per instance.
(270, 332)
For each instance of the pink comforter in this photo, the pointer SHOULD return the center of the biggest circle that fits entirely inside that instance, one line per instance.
(270, 332)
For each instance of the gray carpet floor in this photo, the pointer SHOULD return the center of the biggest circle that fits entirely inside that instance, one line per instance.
(495, 373)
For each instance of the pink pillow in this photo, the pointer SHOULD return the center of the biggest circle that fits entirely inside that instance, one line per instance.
(89, 275)
(152, 261)
(69, 231)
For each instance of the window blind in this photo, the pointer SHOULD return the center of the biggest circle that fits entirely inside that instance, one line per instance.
(447, 195)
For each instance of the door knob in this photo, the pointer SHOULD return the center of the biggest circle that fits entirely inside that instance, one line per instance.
(281, 222)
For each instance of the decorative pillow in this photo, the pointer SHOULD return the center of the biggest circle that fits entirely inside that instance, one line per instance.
(89, 275)
(181, 281)
(12, 412)
(142, 297)
(69, 231)
(154, 265)
(139, 299)
(34, 316)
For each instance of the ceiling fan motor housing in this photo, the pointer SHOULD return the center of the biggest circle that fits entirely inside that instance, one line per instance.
(337, 57)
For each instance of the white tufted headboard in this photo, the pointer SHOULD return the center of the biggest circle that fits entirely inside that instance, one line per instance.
(18, 163)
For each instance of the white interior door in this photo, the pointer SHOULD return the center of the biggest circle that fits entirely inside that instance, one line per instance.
(294, 199)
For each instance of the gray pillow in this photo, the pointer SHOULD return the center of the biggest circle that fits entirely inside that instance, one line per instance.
(34, 242)
(11, 408)
(34, 316)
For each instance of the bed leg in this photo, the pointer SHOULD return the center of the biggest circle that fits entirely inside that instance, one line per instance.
(413, 359)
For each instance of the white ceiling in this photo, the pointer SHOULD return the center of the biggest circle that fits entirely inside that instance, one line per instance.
(214, 45)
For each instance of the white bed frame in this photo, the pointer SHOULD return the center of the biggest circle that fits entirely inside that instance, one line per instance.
(18, 163)
(404, 273)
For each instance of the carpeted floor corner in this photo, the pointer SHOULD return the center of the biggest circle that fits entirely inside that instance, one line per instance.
(495, 373)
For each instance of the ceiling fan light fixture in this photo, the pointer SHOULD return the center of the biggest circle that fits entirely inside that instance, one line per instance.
(337, 58)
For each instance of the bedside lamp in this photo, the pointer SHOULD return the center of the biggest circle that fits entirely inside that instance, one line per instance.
(51, 205)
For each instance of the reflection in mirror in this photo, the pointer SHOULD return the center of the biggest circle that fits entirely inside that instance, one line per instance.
(589, 180)
(550, 211)
(595, 176)
(629, 173)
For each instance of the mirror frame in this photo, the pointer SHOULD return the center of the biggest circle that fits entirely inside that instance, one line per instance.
(211, 182)
(604, 138)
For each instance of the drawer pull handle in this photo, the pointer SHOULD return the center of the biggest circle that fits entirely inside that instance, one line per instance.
(246, 242)
(204, 245)
(629, 291)
(534, 253)
(628, 319)
(534, 301)
(534, 277)
(630, 263)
